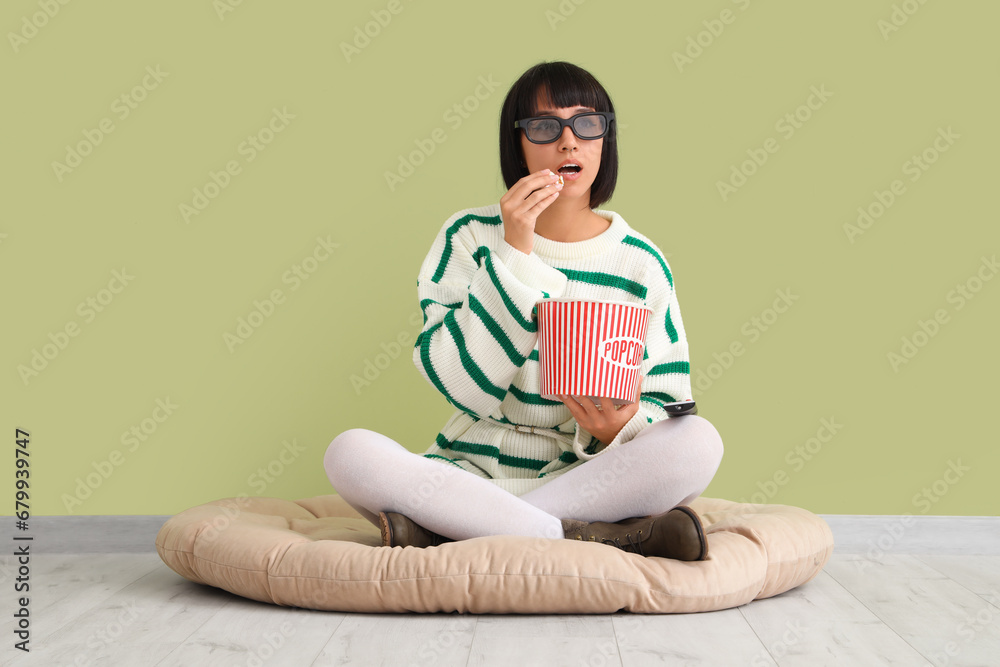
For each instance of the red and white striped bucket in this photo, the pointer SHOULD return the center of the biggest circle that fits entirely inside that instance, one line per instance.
(591, 348)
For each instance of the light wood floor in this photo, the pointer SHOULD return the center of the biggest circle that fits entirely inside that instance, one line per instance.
(130, 609)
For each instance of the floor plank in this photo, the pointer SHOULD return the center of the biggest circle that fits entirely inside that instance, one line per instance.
(63, 587)
(558, 639)
(928, 610)
(709, 638)
(821, 623)
(141, 621)
(907, 534)
(246, 632)
(980, 574)
(400, 639)
(897, 609)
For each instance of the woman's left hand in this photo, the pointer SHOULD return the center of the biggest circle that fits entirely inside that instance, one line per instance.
(605, 422)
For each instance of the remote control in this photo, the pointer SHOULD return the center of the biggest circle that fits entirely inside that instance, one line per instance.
(681, 408)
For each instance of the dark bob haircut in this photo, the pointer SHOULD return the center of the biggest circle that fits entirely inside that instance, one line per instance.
(563, 85)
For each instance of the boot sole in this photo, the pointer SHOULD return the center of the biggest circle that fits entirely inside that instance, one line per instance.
(410, 534)
(386, 529)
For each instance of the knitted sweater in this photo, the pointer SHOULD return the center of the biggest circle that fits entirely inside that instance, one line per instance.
(479, 342)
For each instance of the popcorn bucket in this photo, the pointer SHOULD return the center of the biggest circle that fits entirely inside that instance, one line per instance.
(591, 348)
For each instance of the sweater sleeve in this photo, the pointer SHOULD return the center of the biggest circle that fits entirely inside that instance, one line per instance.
(480, 320)
(665, 367)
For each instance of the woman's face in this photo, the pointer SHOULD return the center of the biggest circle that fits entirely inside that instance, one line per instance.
(584, 152)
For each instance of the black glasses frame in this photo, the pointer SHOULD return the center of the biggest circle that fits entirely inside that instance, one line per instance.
(563, 122)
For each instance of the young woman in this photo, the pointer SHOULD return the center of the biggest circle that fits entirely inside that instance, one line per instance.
(509, 462)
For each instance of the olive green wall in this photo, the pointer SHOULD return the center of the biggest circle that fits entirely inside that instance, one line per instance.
(822, 178)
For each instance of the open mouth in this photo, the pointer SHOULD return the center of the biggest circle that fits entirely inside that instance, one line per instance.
(570, 172)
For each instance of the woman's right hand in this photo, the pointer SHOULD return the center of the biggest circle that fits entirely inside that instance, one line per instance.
(522, 204)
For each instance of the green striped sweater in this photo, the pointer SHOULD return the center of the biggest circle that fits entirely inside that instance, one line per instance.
(479, 342)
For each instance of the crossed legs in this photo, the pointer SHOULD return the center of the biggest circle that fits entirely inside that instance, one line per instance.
(669, 463)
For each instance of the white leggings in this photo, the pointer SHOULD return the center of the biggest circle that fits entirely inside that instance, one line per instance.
(669, 463)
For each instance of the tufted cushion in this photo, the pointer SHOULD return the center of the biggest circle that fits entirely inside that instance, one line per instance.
(319, 553)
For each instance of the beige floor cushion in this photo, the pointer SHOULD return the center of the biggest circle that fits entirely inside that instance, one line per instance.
(319, 553)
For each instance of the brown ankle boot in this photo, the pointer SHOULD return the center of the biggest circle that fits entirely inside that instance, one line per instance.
(677, 534)
(399, 531)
